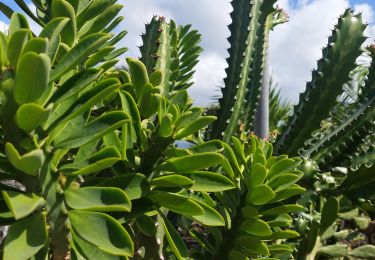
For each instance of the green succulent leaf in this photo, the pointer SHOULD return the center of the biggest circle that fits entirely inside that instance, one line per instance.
(32, 78)
(173, 180)
(17, 22)
(337, 250)
(78, 53)
(146, 224)
(257, 176)
(22, 204)
(364, 252)
(52, 31)
(329, 214)
(134, 184)
(97, 128)
(98, 199)
(91, 251)
(99, 161)
(75, 84)
(210, 217)
(290, 208)
(260, 195)
(256, 227)
(209, 181)
(174, 240)
(102, 231)
(176, 203)
(195, 126)
(15, 46)
(252, 244)
(29, 234)
(192, 162)
(280, 249)
(62, 8)
(29, 116)
(29, 163)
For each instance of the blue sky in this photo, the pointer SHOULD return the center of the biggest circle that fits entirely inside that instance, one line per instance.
(294, 47)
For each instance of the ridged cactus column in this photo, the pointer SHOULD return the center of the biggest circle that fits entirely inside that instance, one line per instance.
(172, 49)
(251, 23)
(344, 46)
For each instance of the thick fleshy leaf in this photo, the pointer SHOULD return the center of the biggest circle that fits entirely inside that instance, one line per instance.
(15, 46)
(37, 45)
(135, 184)
(364, 252)
(253, 245)
(192, 162)
(29, 163)
(146, 224)
(92, 97)
(337, 250)
(62, 8)
(17, 22)
(97, 162)
(289, 192)
(237, 255)
(98, 199)
(210, 217)
(91, 10)
(282, 220)
(22, 204)
(25, 238)
(78, 53)
(187, 117)
(284, 181)
(249, 212)
(283, 234)
(30, 116)
(177, 203)
(139, 75)
(195, 126)
(209, 146)
(282, 166)
(173, 180)
(91, 251)
(260, 195)
(95, 129)
(257, 176)
(174, 240)
(280, 249)
(52, 31)
(328, 214)
(102, 231)
(101, 21)
(290, 208)
(129, 106)
(32, 78)
(209, 181)
(256, 227)
(258, 156)
(75, 84)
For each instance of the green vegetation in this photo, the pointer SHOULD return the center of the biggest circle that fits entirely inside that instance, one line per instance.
(98, 162)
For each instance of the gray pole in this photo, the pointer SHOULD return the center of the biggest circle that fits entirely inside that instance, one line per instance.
(261, 124)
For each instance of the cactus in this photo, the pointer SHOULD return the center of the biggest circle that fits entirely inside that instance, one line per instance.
(251, 23)
(91, 162)
(172, 49)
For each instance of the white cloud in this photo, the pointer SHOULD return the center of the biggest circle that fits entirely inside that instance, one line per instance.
(296, 46)
(3, 27)
(208, 78)
(368, 16)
